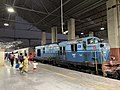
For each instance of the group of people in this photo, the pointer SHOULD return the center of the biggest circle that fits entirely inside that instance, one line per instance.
(22, 61)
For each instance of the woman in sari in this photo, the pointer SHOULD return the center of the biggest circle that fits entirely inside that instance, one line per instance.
(25, 67)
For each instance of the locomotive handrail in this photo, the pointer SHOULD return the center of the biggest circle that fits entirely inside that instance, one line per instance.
(102, 57)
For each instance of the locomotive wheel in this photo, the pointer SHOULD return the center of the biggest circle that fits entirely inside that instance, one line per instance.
(54, 63)
(115, 75)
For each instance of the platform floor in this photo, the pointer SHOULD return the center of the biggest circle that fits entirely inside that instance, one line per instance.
(49, 77)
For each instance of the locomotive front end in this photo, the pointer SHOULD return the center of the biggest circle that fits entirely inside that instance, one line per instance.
(105, 52)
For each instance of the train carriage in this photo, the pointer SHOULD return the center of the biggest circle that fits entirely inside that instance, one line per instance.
(46, 52)
(28, 50)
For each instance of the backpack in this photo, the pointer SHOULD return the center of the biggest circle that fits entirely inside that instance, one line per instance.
(11, 56)
(17, 65)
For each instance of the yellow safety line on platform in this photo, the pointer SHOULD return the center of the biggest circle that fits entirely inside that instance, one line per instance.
(60, 74)
(98, 87)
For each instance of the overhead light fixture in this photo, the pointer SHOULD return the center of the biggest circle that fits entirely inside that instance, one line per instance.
(101, 39)
(65, 32)
(6, 24)
(82, 33)
(10, 9)
(102, 28)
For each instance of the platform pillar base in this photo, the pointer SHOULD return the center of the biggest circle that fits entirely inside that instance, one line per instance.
(115, 52)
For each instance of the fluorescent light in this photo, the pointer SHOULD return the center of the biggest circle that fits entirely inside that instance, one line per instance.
(10, 9)
(102, 28)
(82, 33)
(65, 32)
(6, 24)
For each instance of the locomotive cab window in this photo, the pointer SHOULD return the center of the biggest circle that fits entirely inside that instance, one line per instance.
(73, 47)
(43, 50)
(60, 50)
(38, 52)
(63, 50)
(92, 41)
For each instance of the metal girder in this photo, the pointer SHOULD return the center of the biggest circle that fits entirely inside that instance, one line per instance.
(91, 7)
(104, 10)
(52, 12)
(78, 5)
(44, 6)
(90, 26)
(101, 17)
(18, 38)
(6, 37)
(32, 10)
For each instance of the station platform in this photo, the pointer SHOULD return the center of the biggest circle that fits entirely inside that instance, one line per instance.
(48, 77)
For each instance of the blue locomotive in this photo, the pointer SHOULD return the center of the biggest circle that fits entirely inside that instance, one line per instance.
(88, 51)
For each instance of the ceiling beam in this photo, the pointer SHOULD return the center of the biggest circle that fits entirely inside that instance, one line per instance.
(90, 26)
(81, 4)
(52, 12)
(32, 10)
(6, 37)
(89, 8)
(78, 5)
(93, 20)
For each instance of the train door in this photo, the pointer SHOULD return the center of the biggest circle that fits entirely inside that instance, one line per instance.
(81, 49)
(62, 52)
(71, 51)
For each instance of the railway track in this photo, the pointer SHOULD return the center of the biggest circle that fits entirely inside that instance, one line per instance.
(83, 69)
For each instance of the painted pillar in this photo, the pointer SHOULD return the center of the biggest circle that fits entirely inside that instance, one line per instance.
(91, 34)
(43, 38)
(113, 23)
(71, 28)
(54, 34)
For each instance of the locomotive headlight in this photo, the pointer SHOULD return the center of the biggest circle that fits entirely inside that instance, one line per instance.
(104, 52)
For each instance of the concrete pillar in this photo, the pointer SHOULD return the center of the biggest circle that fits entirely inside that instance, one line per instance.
(77, 37)
(2, 55)
(43, 38)
(54, 34)
(71, 28)
(113, 21)
(91, 34)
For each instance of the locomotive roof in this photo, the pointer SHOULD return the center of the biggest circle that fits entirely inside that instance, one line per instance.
(63, 43)
(79, 40)
(85, 38)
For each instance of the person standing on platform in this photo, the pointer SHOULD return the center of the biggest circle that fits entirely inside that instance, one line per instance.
(25, 63)
(34, 65)
(21, 58)
(31, 57)
(16, 57)
(12, 59)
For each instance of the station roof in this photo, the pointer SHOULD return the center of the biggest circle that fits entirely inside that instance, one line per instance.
(90, 15)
